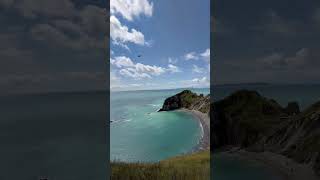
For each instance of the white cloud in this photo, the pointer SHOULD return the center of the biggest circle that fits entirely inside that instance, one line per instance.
(135, 85)
(120, 34)
(272, 59)
(197, 69)
(173, 68)
(200, 80)
(277, 60)
(172, 61)
(154, 70)
(137, 71)
(195, 56)
(122, 61)
(114, 80)
(197, 82)
(131, 8)
(191, 56)
(133, 73)
(206, 55)
(117, 84)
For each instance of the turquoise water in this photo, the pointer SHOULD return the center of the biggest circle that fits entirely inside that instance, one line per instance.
(139, 133)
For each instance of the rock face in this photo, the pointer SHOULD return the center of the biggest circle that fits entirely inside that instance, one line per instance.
(298, 138)
(242, 118)
(189, 100)
(255, 123)
(292, 108)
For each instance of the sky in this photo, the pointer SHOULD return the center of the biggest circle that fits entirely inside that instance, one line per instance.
(266, 41)
(159, 44)
(54, 46)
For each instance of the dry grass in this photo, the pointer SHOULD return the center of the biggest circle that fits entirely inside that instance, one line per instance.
(187, 167)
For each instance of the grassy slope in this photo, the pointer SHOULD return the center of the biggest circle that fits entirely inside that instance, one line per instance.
(187, 167)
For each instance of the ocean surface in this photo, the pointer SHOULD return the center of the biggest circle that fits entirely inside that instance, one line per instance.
(139, 133)
(55, 136)
(232, 168)
(63, 135)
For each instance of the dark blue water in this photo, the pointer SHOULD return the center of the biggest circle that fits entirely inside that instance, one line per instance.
(60, 136)
(232, 168)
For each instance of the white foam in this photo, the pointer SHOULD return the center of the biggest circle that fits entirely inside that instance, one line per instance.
(155, 105)
(127, 120)
(202, 131)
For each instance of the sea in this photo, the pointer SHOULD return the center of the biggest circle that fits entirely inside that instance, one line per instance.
(138, 133)
(54, 136)
(63, 135)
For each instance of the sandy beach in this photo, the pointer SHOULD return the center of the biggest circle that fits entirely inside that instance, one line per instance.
(286, 168)
(204, 121)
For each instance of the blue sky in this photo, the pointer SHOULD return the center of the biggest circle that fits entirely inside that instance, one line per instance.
(172, 37)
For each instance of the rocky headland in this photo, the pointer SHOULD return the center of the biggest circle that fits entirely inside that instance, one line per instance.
(198, 106)
(248, 124)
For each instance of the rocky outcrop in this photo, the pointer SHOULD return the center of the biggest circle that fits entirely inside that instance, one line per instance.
(189, 100)
(252, 122)
(298, 138)
(292, 108)
(244, 117)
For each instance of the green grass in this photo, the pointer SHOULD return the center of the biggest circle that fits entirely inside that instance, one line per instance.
(186, 167)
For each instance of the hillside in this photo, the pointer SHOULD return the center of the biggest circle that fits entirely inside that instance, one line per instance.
(252, 122)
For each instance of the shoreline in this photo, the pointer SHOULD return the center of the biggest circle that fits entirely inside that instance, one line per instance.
(285, 168)
(204, 120)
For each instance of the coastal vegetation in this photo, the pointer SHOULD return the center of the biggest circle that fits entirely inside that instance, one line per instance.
(194, 166)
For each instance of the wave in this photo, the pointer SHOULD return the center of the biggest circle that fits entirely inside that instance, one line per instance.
(121, 120)
(127, 120)
(202, 130)
(155, 105)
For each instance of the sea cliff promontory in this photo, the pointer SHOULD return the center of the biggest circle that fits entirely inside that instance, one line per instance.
(249, 122)
(198, 106)
(188, 100)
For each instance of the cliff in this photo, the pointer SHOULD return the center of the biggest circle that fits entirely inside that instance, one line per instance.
(189, 100)
(246, 119)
